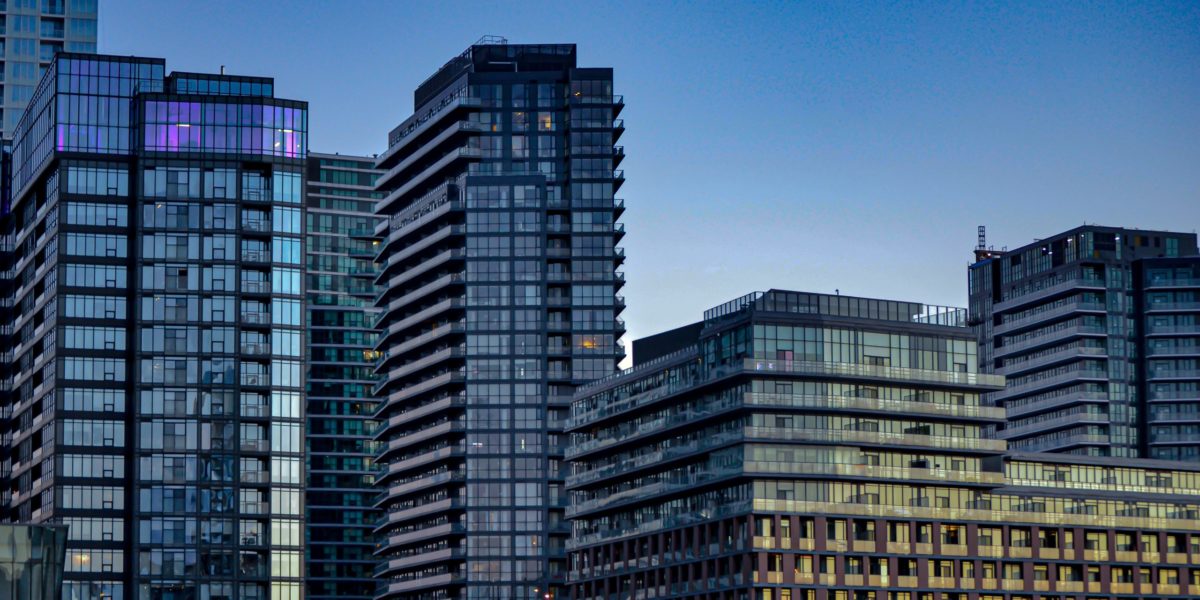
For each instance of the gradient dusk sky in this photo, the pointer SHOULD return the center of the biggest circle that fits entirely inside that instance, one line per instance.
(808, 146)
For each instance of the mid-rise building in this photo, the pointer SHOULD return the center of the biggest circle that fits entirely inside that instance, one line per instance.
(498, 269)
(796, 446)
(153, 329)
(31, 32)
(340, 206)
(1097, 339)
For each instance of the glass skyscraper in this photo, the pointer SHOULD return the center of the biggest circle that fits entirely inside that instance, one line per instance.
(154, 380)
(340, 223)
(31, 31)
(1096, 331)
(499, 297)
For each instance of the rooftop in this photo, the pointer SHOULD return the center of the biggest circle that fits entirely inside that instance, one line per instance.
(837, 305)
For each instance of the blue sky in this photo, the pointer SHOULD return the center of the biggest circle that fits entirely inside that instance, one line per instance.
(851, 146)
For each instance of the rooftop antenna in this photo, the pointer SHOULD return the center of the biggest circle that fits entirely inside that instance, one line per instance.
(222, 69)
(982, 252)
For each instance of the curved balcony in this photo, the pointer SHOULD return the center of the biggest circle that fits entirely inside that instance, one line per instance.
(1040, 427)
(1055, 403)
(424, 534)
(1061, 443)
(391, 566)
(425, 266)
(413, 415)
(398, 258)
(419, 462)
(395, 517)
(1049, 338)
(419, 127)
(1047, 383)
(416, 485)
(458, 129)
(399, 374)
(1047, 316)
(406, 589)
(419, 318)
(399, 351)
(441, 165)
(1051, 291)
(421, 292)
(1059, 356)
(396, 444)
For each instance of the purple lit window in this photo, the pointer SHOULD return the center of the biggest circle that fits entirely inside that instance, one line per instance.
(221, 127)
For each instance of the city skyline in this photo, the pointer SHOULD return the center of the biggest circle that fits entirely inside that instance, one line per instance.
(244, 355)
(981, 116)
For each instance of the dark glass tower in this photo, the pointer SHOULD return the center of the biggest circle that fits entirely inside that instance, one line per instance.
(1095, 330)
(500, 297)
(340, 268)
(154, 376)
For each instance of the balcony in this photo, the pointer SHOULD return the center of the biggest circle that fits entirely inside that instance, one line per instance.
(1173, 330)
(255, 445)
(255, 379)
(256, 255)
(1052, 381)
(256, 318)
(1048, 292)
(872, 372)
(1077, 418)
(1172, 307)
(1047, 315)
(1066, 354)
(1173, 350)
(1036, 445)
(1174, 373)
(1055, 402)
(257, 225)
(1048, 338)
(1173, 282)
(250, 286)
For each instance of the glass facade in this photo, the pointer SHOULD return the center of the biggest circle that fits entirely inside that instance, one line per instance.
(498, 265)
(158, 301)
(339, 270)
(810, 447)
(1169, 330)
(31, 561)
(31, 32)
(1078, 325)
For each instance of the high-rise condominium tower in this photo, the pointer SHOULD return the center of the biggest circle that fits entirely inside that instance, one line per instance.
(1097, 331)
(154, 342)
(31, 31)
(341, 456)
(500, 297)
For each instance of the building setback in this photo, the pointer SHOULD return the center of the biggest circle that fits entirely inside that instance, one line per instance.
(31, 32)
(815, 447)
(499, 297)
(1096, 330)
(154, 382)
(340, 207)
